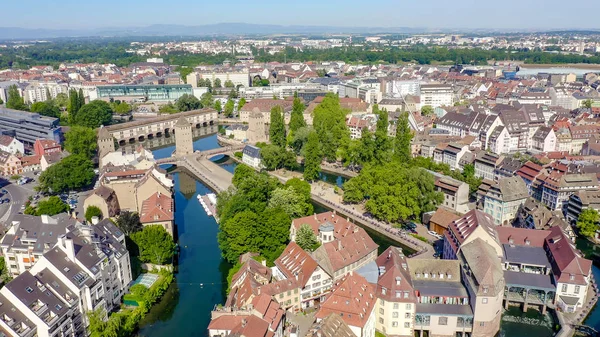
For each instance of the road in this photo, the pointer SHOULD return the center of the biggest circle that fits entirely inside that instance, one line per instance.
(18, 196)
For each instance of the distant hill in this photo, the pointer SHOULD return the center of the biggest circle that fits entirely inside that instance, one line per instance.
(15, 33)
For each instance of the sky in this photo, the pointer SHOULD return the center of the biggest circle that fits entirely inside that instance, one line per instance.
(506, 14)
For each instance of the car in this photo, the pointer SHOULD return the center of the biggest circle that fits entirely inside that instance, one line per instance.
(4, 191)
(432, 233)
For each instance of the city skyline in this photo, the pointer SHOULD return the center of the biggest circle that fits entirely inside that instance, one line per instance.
(431, 14)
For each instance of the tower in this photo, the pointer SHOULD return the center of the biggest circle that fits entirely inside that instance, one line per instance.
(106, 142)
(257, 131)
(184, 143)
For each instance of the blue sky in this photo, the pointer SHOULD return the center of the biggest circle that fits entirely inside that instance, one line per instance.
(512, 14)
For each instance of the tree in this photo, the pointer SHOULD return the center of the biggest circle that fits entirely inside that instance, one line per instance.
(93, 115)
(155, 243)
(330, 125)
(382, 142)
(81, 98)
(73, 106)
(93, 211)
(51, 206)
(81, 140)
(14, 100)
(168, 108)
(129, 222)
(256, 82)
(274, 157)
(403, 138)
(297, 118)
(241, 103)
(229, 84)
(299, 139)
(301, 187)
(45, 109)
(121, 108)
(587, 103)
(188, 102)
(277, 127)
(312, 158)
(184, 71)
(292, 203)
(71, 173)
(217, 83)
(587, 223)
(61, 101)
(306, 238)
(206, 100)
(218, 106)
(426, 110)
(229, 106)
(1, 101)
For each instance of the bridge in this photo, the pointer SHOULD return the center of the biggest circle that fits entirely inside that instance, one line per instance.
(586, 330)
(150, 128)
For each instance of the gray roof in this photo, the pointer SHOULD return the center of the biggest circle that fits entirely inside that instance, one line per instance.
(252, 151)
(68, 268)
(13, 317)
(512, 188)
(440, 288)
(32, 231)
(238, 127)
(444, 309)
(370, 272)
(484, 264)
(568, 300)
(537, 281)
(535, 256)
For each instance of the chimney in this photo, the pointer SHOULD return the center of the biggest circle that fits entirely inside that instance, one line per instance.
(263, 262)
(68, 246)
(315, 216)
(244, 323)
(339, 245)
(95, 220)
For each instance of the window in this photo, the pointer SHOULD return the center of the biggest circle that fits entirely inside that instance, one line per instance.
(381, 311)
(406, 294)
(380, 320)
(29, 290)
(577, 289)
(484, 300)
(394, 324)
(383, 291)
(482, 324)
(407, 324)
(408, 306)
(485, 290)
(395, 314)
(396, 306)
(398, 294)
(443, 321)
(564, 288)
(407, 315)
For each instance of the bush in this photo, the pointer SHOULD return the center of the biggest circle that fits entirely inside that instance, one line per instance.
(238, 154)
(419, 237)
(91, 212)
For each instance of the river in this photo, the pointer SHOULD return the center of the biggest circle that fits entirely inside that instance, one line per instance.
(200, 283)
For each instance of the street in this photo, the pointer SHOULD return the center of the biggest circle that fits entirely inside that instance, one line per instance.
(18, 195)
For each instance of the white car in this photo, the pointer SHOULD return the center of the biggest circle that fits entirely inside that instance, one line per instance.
(432, 233)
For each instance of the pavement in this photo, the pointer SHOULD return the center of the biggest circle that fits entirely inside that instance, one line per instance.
(18, 195)
(301, 320)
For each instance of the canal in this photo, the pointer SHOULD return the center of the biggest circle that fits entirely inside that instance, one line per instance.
(200, 283)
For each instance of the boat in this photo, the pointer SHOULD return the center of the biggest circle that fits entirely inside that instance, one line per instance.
(209, 203)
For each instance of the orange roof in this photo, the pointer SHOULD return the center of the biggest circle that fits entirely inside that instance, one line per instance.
(295, 262)
(157, 208)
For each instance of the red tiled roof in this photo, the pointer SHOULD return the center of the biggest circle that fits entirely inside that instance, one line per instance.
(395, 277)
(157, 208)
(567, 265)
(520, 236)
(295, 262)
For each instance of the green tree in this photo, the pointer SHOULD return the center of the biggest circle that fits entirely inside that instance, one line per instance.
(81, 140)
(587, 103)
(297, 118)
(45, 109)
(383, 144)
(403, 138)
(155, 244)
(121, 108)
(14, 100)
(1, 101)
(217, 83)
(51, 206)
(306, 238)
(301, 187)
(293, 203)
(299, 139)
(312, 158)
(587, 223)
(229, 84)
(241, 103)
(61, 101)
(129, 222)
(274, 157)
(81, 98)
(187, 103)
(206, 100)
(91, 212)
(168, 108)
(277, 127)
(426, 110)
(229, 106)
(94, 114)
(218, 106)
(330, 125)
(256, 82)
(232, 94)
(184, 71)
(73, 106)
(71, 173)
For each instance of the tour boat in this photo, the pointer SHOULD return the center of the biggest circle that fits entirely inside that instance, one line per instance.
(209, 203)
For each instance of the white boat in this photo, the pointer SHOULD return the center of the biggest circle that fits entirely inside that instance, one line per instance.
(203, 202)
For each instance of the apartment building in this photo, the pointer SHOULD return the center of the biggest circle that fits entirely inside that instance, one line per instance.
(485, 164)
(27, 127)
(264, 106)
(10, 164)
(437, 95)
(544, 140)
(456, 193)
(11, 145)
(262, 317)
(88, 269)
(504, 198)
(581, 200)
(557, 188)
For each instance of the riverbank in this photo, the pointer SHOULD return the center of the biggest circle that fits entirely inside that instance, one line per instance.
(561, 65)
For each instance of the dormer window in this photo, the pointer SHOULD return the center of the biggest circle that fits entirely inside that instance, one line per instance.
(527, 242)
(571, 277)
(383, 291)
(398, 279)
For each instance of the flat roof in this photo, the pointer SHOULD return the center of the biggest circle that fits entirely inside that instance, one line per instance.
(535, 256)
(537, 281)
(444, 309)
(440, 288)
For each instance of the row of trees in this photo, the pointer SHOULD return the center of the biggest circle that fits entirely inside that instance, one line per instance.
(255, 214)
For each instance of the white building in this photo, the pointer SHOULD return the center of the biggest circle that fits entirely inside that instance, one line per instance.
(437, 95)
(251, 156)
(399, 88)
(11, 145)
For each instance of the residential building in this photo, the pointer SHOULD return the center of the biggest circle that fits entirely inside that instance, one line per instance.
(11, 145)
(27, 127)
(264, 106)
(452, 154)
(262, 318)
(544, 140)
(237, 132)
(158, 209)
(105, 199)
(485, 164)
(441, 219)
(473, 225)
(10, 164)
(353, 299)
(437, 95)
(581, 200)
(330, 326)
(344, 246)
(456, 193)
(558, 188)
(503, 199)
(43, 147)
(251, 157)
(529, 173)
